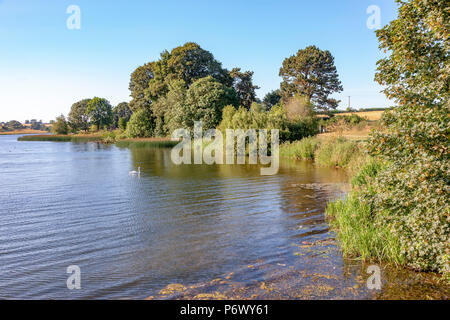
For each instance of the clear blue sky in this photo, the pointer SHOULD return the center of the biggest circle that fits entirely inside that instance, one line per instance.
(45, 67)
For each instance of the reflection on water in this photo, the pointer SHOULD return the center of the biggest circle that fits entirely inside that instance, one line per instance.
(75, 204)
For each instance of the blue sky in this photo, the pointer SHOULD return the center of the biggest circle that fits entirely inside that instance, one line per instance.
(45, 67)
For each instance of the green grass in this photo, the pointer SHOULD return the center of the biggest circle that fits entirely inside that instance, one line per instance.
(303, 149)
(106, 137)
(146, 143)
(45, 138)
(359, 234)
(338, 152)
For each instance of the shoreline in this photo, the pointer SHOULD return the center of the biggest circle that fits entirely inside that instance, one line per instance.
(25, 131)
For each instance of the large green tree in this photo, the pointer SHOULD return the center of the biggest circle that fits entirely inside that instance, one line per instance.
(78, 117)
(203, 101)
(272, 98)
(121, 113)
(99, 111)
(139, 82)
(413, 193)
(311, 73)
(160, 86)
(14, 125)
(243, 85)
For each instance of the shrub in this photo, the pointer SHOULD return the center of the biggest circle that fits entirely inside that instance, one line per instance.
(302, 128)
(258, 118)
(60, 126)
(140, 125)
(122, 124)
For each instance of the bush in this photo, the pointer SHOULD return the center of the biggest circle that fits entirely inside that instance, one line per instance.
(302, 128)
(140, 125)
(258, 118)
(122, 123)
(60, 126)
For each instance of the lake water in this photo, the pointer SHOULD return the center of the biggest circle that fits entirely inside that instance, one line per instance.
(65, 204)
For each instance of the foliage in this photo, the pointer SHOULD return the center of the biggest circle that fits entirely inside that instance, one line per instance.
(300, 128)
(414, 188)
(99, 111)
(36, 125)
(14, 125)
(60, 126)
(140, 124)
(276, 118)
(271, 99)
(243, 85)
(337, 153)
(359, 233)
(301, 149)
(299, 107)
(311, 73)
(121, 114)
(78, 117)
(147, 143)
(185, 85)
(140, 79)
(255, 118)
(122, 124)
(407, 194)
(205, 101)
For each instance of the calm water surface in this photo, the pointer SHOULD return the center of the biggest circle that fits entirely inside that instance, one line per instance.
(67, 204)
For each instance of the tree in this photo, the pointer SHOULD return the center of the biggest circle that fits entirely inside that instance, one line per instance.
(272, 98)
(205, 100)
(139, 83)
(36, 125)
(60, 126)
(140, 124)
(14, 125)
(160, 86)
(412, 194)
(190, 62)
(99, 111)
(311, 73)
(121, 113)
(243, 85)
(78, 117)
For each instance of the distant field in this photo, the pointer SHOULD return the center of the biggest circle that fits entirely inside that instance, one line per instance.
(369, 115)
(23, 131)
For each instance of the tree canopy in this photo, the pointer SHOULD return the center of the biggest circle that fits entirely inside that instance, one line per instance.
(121, 114)
(78, 117)
(60, 126)
(413, 191)
(243, 85)
(99, 111)
(311, 73)
(272, 98)
(164, 88)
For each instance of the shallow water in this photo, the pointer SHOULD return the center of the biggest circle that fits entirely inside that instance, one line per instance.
(223, 230)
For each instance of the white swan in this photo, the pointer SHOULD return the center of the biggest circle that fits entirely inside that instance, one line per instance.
(136, 172)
